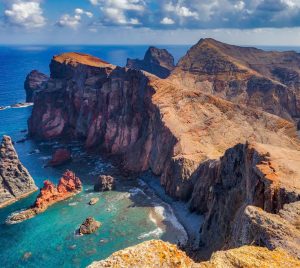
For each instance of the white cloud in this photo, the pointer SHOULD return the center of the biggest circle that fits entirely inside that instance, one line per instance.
(180, 10)
(73, 21)
(167, 21)
(27, 14)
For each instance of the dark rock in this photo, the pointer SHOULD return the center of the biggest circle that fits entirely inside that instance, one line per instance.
(105, 183)
(60, 157)
(89, 226)
(33, 83)
(156, 61)
(15, 180)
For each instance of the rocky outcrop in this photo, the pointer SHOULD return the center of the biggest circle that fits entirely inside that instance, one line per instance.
(196, 142)
(15, 180)
(50, 194)
(243, 196)
(151, 254)
(156, 61)
(93, 201)
(33, 83)
(250, 76)
(60, 157)
(89, 226)
(105, 183)
(156, 253)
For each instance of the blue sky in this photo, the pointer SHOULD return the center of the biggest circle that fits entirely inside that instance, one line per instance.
(245, 22)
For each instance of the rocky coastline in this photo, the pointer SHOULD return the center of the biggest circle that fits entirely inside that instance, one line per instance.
(69, 185)
(233, 160)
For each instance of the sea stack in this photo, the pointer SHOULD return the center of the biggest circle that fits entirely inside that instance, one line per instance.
(50, 194)
(34, 82)
(156, 61)
(15, 180)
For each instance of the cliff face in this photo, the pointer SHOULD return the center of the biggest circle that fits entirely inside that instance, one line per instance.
(34, 82)
(250, 76)
(156, 253)
(185, 135)
(15, 180)
(156, 61)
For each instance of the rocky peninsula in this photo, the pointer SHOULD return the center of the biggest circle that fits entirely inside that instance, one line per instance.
(220, 131)
(15, 180)
(50, 194)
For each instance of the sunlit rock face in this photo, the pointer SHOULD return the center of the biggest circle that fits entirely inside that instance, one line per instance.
(15, 180)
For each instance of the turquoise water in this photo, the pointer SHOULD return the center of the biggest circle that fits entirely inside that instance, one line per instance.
(49, 239)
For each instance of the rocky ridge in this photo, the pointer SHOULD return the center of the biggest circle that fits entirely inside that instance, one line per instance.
(268, 80)
(156, 61)
(156, 253)
(33, 83)
(222, 157)
(50, 194)
(15, 180)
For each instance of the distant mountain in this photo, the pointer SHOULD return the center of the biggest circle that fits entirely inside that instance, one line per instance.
(268, 80)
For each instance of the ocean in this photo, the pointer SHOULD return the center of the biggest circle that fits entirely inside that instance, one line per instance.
(129, 215)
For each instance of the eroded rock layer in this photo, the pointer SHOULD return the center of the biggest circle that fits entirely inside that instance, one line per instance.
(50, 194)
(15, 180)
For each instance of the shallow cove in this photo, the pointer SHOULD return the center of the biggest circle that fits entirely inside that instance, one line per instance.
(128, 215)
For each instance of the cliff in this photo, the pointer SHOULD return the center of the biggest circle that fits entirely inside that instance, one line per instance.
(156, 61)
(268, 80)
(15, 180)
(34, 82)
(221, 157)
(156, 253)
(50, 194)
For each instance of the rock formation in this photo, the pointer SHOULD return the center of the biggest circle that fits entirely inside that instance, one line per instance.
(156, 61)
(15, 180)
(93, 201)
(50, 194)
(60, 157)
(89, 226)
(223, 157)
(105, 183)
(156, 253)
(250, 76)
(34, 82)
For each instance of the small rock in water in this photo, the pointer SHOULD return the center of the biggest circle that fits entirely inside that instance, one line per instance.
(89, 226)
(27, 255)
(72, 247)
(93, 201)
(103, 241)
(105, 183)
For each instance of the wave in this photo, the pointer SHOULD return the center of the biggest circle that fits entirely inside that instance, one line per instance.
(154, 233)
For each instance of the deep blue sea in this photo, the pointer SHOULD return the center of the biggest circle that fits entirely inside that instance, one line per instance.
(129, 215)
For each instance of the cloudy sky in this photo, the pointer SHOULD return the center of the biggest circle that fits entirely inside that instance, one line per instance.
(245, 22)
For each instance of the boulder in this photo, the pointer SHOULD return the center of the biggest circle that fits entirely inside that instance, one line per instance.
(89, 226)
(60, 157)
(93, 201)
(105, 183)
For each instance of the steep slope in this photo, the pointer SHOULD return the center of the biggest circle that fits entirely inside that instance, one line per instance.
(156, 61)
(180, 134)
(265, 80)
(34, 82)
(15, 180)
